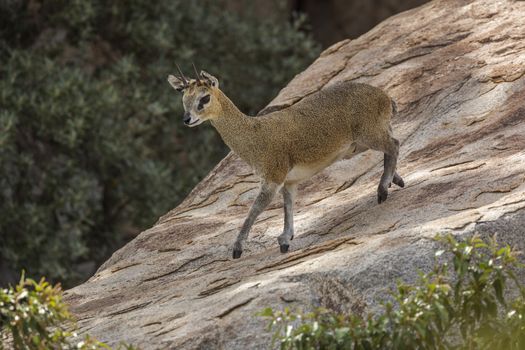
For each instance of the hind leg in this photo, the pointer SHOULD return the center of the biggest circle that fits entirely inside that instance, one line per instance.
(390, 147)
(390, 162)
(396, 179)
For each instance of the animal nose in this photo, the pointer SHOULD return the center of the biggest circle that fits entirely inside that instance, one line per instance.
(186, 118)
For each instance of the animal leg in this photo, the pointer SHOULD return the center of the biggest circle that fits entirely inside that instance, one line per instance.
(288, 191)
(263, 199)
(397, 180)
(391, 152)
(390, 147)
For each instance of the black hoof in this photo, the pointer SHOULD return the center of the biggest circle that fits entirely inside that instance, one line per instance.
(398, 181)
(237, 254)
(381, 195)
(284, 248)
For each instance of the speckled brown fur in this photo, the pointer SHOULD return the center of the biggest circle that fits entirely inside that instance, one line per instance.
(309, 132)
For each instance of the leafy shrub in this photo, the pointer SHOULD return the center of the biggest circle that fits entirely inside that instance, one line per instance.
(471, 308)
(92, 145)
(33, 317)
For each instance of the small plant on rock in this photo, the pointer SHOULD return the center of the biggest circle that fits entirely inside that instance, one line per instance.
(33, 317)
(474, 302)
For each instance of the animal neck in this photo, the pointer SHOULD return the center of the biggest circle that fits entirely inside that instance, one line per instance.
(236, 129)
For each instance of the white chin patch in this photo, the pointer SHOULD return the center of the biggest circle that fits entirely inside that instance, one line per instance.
(194, 122)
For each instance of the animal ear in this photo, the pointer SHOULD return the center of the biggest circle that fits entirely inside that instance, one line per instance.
(177, 83)
(210, 78)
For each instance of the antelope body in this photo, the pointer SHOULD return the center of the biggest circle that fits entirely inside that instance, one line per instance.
(288, 146)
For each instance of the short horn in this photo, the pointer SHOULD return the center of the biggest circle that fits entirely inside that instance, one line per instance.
(197, 75)
(181, 75)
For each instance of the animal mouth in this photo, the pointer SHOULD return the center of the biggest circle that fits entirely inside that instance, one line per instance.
(193, 122)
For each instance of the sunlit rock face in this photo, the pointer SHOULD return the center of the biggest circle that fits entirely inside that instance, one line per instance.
(457, 72)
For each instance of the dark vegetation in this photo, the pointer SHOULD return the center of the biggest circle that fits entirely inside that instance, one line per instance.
(472, 300)
(92, 147)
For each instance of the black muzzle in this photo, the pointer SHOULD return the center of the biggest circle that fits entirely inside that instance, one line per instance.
(186, 119)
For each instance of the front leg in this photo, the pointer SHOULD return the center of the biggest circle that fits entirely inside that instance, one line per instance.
(265, 196)
(284, 239)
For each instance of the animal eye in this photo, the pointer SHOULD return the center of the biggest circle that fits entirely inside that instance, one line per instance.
(203, 101)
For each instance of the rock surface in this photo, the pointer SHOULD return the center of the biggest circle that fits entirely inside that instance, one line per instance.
(456, 70)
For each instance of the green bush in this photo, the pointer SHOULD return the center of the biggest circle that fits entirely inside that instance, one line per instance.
(471, 308)
(33, 317)
(92, 147)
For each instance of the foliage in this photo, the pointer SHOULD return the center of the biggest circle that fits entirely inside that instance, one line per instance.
(33, 317)
(92, 145)
(471, 308)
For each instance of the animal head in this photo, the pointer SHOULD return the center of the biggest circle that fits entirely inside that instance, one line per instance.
(200, 96)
